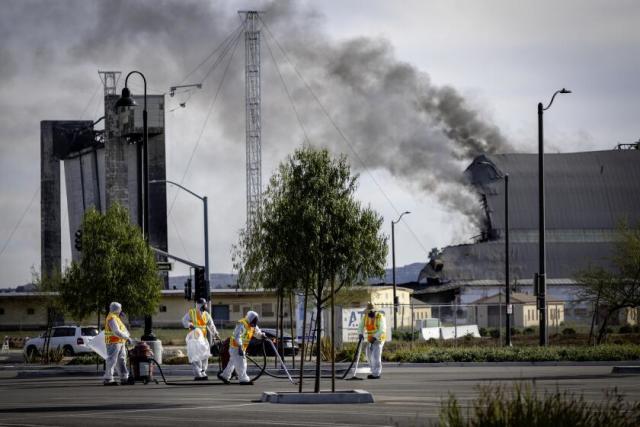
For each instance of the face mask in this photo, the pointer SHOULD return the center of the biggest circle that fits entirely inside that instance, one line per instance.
(203, 308)
(372, 314)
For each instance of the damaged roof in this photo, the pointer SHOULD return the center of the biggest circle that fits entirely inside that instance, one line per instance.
(587, 195)
(587, 190)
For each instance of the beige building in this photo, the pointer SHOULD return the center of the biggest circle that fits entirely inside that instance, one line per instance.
(490, 311)
(28, 310)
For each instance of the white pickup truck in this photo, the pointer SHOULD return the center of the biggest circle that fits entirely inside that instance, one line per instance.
(71, 339)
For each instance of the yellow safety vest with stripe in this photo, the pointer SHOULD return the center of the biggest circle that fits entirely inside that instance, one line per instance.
(373, 326)
(109, 336)
(246, 335)
(198, 319)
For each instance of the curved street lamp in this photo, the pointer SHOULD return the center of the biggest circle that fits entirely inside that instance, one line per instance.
(540, 285)
(124, 105)
(393, 258)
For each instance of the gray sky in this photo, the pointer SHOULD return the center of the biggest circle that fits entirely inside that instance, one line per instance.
(402, 80)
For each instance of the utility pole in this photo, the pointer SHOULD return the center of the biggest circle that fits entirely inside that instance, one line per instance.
(252, 111)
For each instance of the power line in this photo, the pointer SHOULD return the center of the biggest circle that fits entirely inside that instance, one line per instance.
(84, 110)
(224, 42)
(211, 105)
(293, 105)
(6, 243)
(341, 133)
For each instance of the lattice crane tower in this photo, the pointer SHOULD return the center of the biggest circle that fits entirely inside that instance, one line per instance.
(252, 106)
(109, 81)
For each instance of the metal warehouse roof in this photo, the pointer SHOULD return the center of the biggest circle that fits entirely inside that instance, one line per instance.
(485, 261)
(588, 190)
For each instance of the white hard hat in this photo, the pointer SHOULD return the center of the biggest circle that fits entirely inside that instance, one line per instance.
(251, 315)
(115, 307)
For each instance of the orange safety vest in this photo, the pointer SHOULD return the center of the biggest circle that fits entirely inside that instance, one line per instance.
(372, 325)
(109, 337)
(198, 320)
(246, 335)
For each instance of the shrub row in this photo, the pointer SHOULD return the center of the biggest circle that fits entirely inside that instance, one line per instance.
(516, 354)
(524, 407)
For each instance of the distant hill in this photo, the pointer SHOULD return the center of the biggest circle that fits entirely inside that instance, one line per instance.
(405, 274)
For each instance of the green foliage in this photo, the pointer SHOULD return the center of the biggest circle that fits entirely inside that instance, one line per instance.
(483, 332)
(523, 406)
(619, 288)
(86, 359)
(515, 354)
(311, 229)
(116, 264)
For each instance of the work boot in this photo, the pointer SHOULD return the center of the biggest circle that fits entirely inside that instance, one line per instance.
(373, 377)
(246, 383)
(223, 379)
(110, 383)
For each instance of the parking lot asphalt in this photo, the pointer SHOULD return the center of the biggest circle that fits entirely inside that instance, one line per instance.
(404, 396)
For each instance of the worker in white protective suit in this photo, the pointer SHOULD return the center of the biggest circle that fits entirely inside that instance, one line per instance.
(373, 328)
(199, 319)
(245, 329)
(115, 338)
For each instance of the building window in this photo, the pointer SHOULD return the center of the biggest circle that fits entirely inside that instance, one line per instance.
(267, 310)
(163, 309)
(235, 308)
(31, 311)
(245, 310)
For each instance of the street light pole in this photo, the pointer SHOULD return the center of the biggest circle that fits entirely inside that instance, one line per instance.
(542, 280)
(206, 228)
(509, 308)
(393, 260)
(126, 101)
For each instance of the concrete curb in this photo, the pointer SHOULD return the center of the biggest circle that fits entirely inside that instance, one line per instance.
(36, 371)
(626, 370)
(324, 397)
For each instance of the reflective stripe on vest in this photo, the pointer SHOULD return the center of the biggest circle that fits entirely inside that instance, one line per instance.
(246, 335)
(372, 325)
(109, 337)
(198, 320)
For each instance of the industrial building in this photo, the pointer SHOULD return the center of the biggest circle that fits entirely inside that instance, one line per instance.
(588, 195)
(100, 168)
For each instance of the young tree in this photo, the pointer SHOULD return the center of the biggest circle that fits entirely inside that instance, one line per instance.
(312, 236)
(616, 288)
(116, 264)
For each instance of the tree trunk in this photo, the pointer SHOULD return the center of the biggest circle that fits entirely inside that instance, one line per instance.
(593, 319)
(293, 336)
(333, 338)
(603, 328)
(304, 334)
(316, 387)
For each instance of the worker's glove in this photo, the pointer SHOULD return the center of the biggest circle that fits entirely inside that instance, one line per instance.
(217, 337)
(240, 352)
(191, 326)
(360, 336)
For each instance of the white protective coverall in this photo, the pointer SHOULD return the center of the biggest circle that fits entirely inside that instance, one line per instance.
(200, 366)
(374, 331)
(198, 352)
(241, 335)
(116, 351)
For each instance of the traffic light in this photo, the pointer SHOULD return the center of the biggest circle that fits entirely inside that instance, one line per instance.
(200, 284)
(78, 240)
(187, 289)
